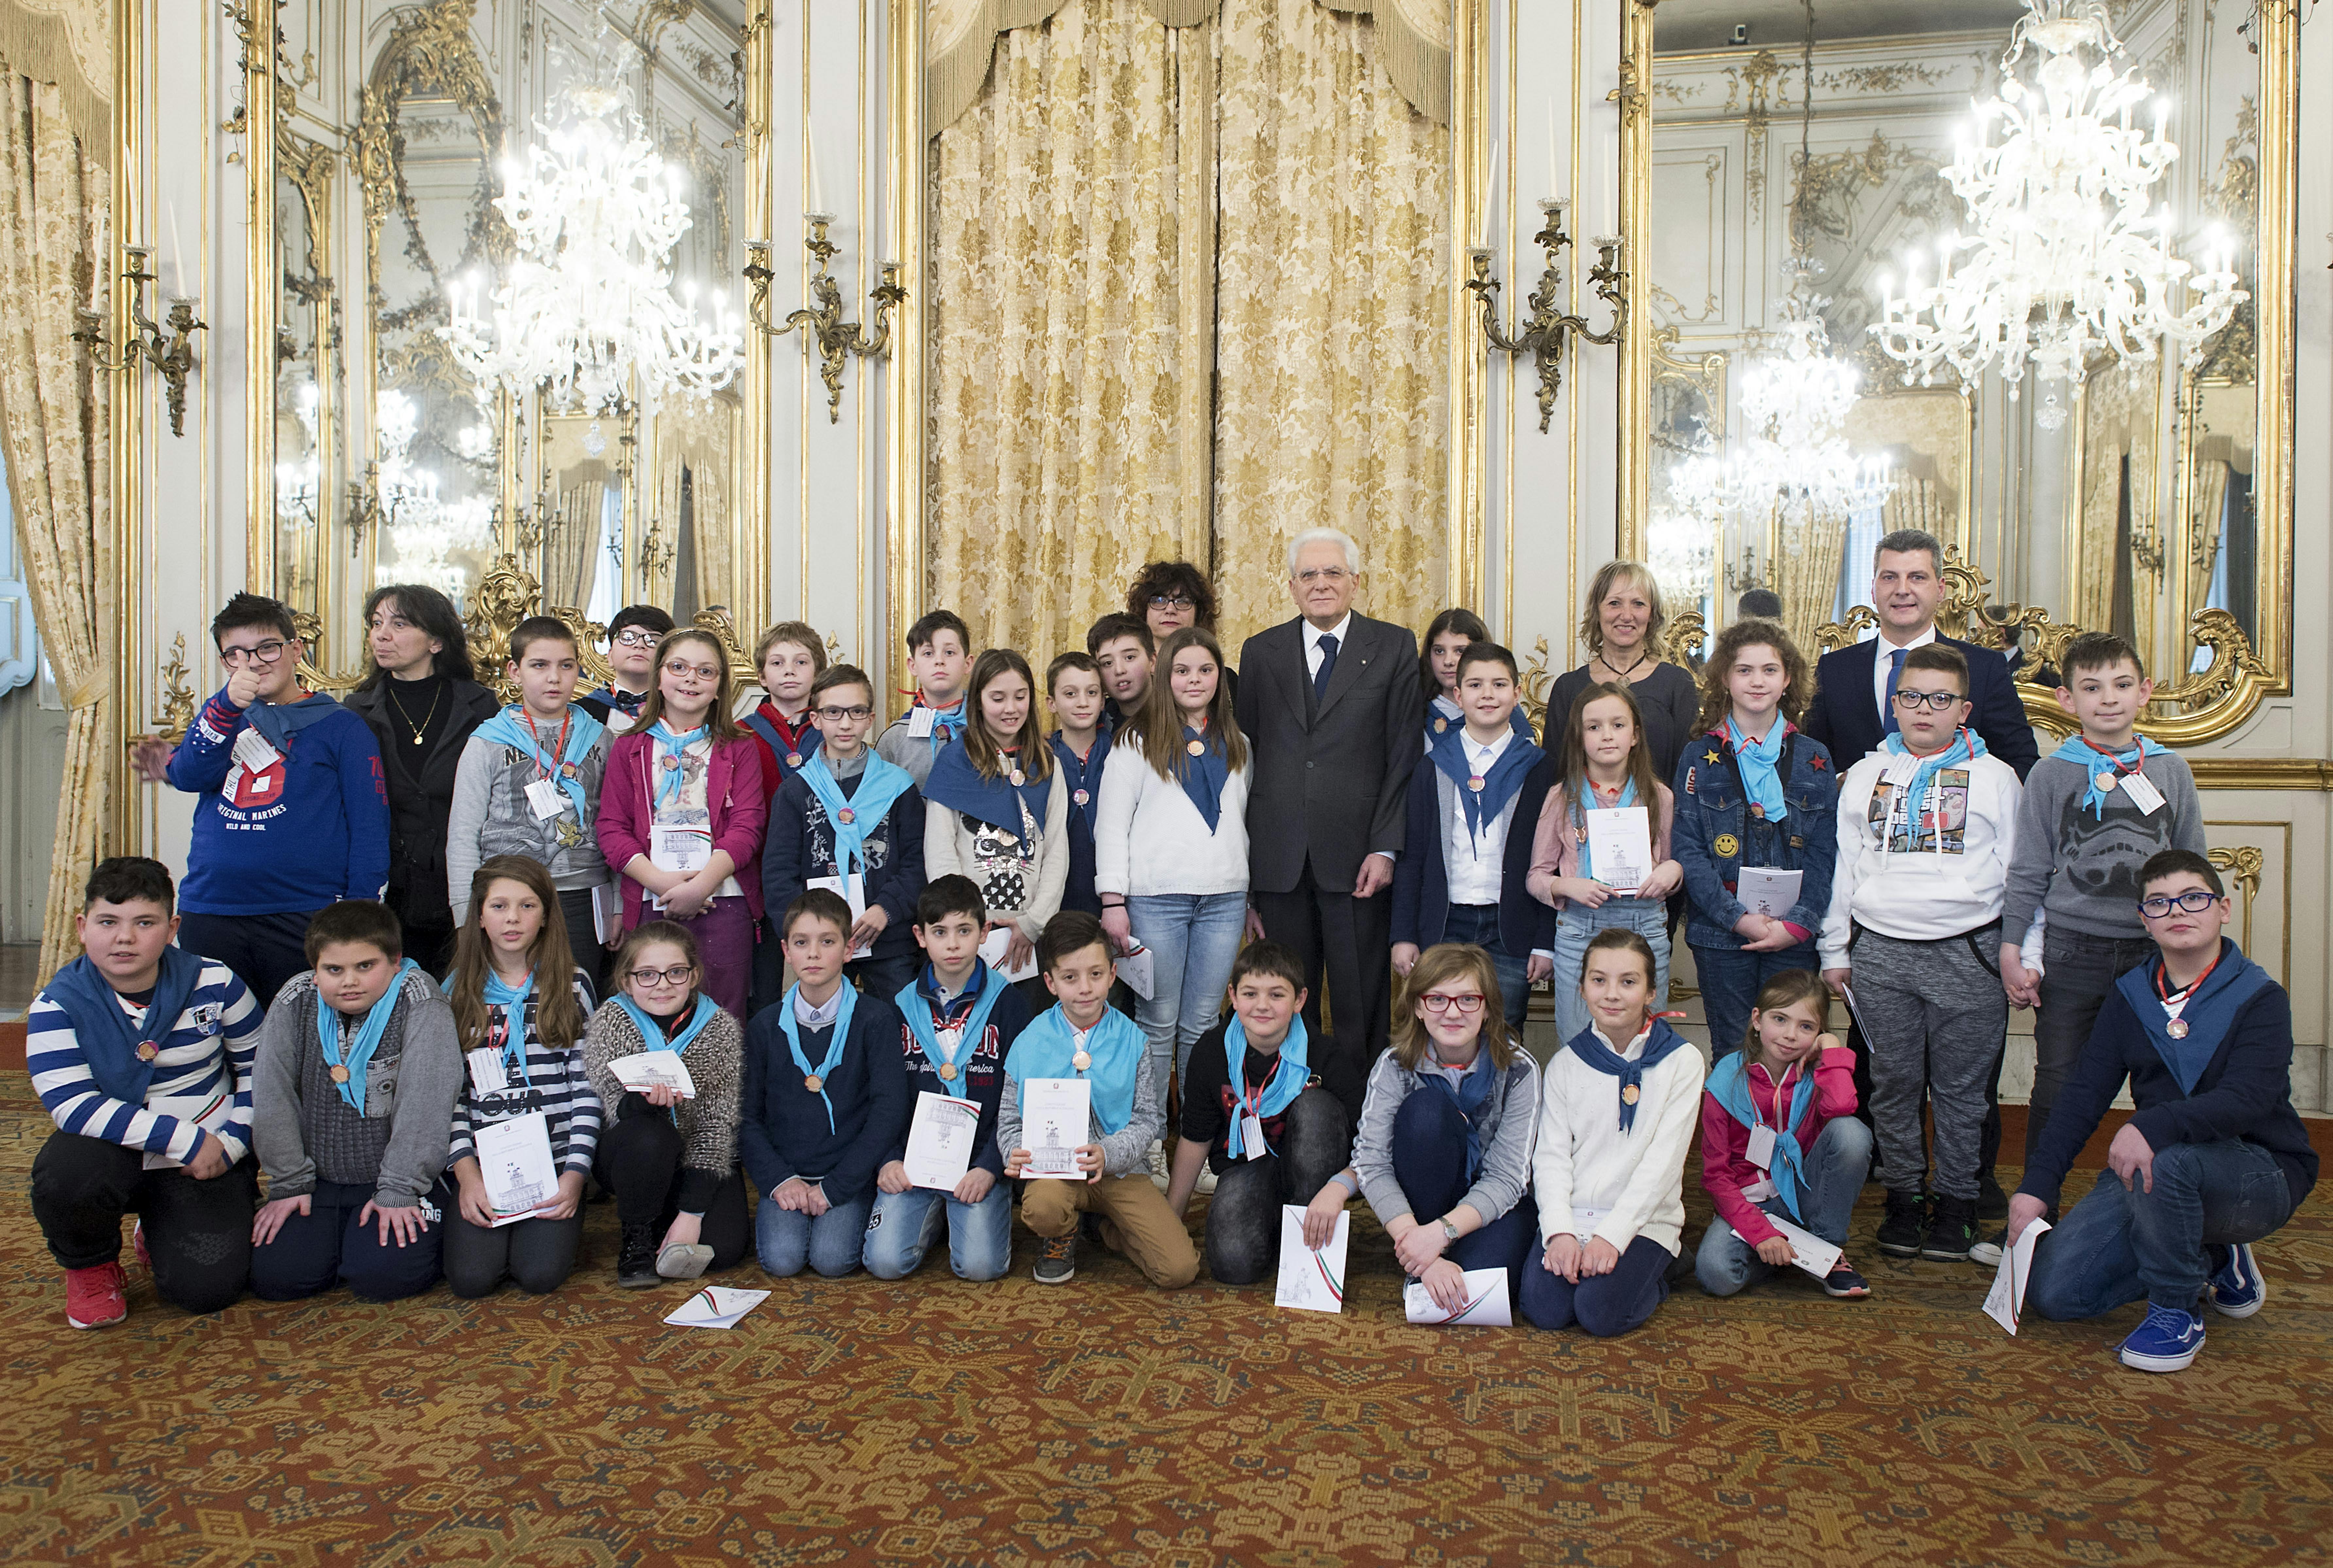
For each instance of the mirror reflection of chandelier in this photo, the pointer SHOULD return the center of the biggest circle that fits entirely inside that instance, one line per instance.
(587, 310)
(2066, 260)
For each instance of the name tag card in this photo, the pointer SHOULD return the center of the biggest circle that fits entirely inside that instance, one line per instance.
(1761, 1147)
(2143, 794)
(547, 800)
(919, 722)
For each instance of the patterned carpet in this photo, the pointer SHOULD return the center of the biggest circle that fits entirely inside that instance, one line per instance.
(1103, 1423)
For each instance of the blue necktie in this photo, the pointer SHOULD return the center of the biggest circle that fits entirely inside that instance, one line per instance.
(1894, 674)
(1320, 675)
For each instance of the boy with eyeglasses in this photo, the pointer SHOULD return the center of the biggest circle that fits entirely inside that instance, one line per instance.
(290, 810)
(1927, 829)
(632, 639)
(851, 822)
(2213, 1158)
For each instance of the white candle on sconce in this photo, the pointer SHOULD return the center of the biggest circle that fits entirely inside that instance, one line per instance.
(184, 291)
(809, 156)
(1489, 199)
(1554, 166)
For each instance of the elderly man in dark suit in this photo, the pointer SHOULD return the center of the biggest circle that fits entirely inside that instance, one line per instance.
(1329, 703)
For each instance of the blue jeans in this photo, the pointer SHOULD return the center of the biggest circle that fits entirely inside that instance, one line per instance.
(1193, 938)
(1575, 925)
(1479, 924)
(786, 1238)
(2118, 1246)
(904, 1225)
(1729, 982)
(1429, 1162)
(1835, 1169)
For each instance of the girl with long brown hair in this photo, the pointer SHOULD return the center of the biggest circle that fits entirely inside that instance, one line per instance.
(996, 810)
(520, 1005)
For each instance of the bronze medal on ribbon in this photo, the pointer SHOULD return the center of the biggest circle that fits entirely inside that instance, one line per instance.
(1630, 1093)
(569, 770)
(1019, 778)
(2176, 1029)
(948, 1072)
(340, 1074)
(813, 1083)
(794, 758)
(147, 1051)
(1081, 1061)
(669, 763)
(846, 817)
(1196, 748)
(1757, 811)
(1440, 725)
(1082, 797)
(1476, 783)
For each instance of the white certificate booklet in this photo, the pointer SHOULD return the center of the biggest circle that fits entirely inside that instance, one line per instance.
(939, 1140)
(852, 891)
(1808, 1250)
(645, 1070)
(1054, 1113)
(209, 1112)
(1139, 969)
(1620, 841)
(1486, 1302)
(1312, 1281)
(1765, 891)
(2005, 1302)
(992, 953)
(717, 1307)
(514, 1161)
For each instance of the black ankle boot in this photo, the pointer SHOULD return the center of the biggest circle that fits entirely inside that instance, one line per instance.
(1952, 1230)
(636, 1260)
(1907, 1223)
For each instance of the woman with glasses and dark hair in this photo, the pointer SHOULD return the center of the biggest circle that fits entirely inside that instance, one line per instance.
(1168, 596)
(421, 699)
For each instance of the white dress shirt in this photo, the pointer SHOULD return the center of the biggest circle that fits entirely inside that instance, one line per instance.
(1476, 858)
(1312, 636)
(1884, 657)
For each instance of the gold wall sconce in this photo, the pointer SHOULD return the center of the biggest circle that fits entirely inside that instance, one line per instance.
(837, 338)
(1545, 333)
(172, 353)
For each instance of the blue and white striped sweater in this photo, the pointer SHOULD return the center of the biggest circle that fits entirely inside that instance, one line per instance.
(554, 1083)
(207, 1058)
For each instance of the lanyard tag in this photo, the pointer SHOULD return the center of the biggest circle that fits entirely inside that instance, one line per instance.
(252, 749)
(546, 797)
(1251, 1135)
(919, 722)
(2143, 793)
(488, 1075)
(1762, 1146)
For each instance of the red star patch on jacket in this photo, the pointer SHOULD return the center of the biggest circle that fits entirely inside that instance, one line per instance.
(1818, 763)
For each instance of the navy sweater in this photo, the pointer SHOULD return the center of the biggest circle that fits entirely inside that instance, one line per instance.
(800, 845)
(781, 1127)
(1421, 876)
(1077, 892)
(2245, 1092)
(312, 830)
(984, 1074)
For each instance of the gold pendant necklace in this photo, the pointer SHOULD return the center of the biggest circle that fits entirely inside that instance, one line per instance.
(422, 728)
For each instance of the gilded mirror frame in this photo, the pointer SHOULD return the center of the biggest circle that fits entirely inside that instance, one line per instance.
(2189, 708)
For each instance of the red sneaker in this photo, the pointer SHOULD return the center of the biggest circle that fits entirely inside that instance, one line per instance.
(93, 1296)
(138, 1242)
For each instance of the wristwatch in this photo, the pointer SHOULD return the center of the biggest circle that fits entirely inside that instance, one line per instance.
(1449, 1230)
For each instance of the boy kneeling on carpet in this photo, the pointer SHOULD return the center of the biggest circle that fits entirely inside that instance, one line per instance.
(141, 1052)
(2213, 1159)
(354, 1115)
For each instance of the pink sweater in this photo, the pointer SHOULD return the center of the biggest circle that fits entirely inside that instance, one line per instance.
(1725, 1167)
(733, 788)
(1555, 851)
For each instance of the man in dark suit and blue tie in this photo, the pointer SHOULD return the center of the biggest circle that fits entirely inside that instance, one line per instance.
(1329, 703)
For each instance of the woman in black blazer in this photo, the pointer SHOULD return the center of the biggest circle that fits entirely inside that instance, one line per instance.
(421, 698)
(1622, 624)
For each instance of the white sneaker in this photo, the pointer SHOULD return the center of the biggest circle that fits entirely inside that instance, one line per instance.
(1206, 1179)
(1158, 1177)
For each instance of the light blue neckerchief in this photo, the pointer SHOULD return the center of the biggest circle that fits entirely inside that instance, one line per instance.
(2090, 758)
(1966, 746)
(852, 817)
(1115, 1046)
(825, 1069)
(654, 1038)
(669, 748)
(509, 728)
(916, 1006)
(1757, 760)
(511, 999)
(1280, 1091)
(1579, 809)
(1729, 1086)
(367, 1035)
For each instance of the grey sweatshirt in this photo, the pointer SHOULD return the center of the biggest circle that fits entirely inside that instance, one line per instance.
(490, 817)
(1124, 1151)
(303, 1131)
(2083, 869)
(1509, 1118)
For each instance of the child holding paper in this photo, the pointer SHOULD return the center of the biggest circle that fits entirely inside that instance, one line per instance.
(1472, 821)
(1254, 1112)
(1606, 767)
(846, 820)
(1753, 794)
(1170, 844)
(670, 1159)
(958, 1019)
(823, 1103)
(352, 1111)
(684, 812)
(1083, 1038)
(996, 810)
(522, 1039)
(1615, 1124)
(1927, 830)
(1779, 1137)
(142, 1052)
(1444, 1151)
(939, 652)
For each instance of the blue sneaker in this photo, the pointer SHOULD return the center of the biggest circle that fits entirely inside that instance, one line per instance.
(2166, 1342)
(2238, 1286)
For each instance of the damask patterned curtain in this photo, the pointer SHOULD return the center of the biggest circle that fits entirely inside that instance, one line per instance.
(55, 204)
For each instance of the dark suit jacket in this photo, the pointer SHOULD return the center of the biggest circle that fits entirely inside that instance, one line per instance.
(1330, 784)
(1845, 714)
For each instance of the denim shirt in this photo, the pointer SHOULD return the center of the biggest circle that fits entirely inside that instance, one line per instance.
(1715, 834)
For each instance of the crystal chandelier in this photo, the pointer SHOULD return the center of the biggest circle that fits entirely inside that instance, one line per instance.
(587, 310)
(2065, 260)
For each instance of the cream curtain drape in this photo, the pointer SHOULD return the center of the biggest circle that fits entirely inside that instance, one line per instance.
(1332, 333)
(55, 204)
(1068, 382)
(1807, 548)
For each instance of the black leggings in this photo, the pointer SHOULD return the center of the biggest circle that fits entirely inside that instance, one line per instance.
(539, 1254)
(1243, 1240)
(639, 1162)
(198, 1232)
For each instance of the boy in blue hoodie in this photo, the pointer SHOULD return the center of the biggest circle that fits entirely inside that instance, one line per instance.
(290, 814)
(2213, 1158)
